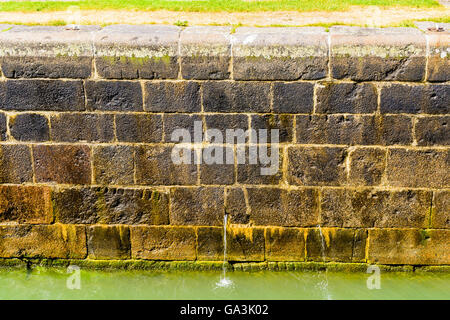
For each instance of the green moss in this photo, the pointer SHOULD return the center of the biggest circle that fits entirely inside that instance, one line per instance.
(424, 236)
(210, 265)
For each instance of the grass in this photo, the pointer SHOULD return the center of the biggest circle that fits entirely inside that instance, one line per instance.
(210, 5)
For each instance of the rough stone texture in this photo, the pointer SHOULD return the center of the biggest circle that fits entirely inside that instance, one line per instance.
(29, 127)
(402, 98)
(25, 204)
(235, 206)
(293, 97)
(431, 131)
(114, 165)
(215, 169)
(167, 96)
(418, 168)
(283, 123)
(182, 121)
(154, 166)
(224, 122)
(15, 164)
(440, 216)
(43, 241)
(368, 208)
(364, 54)
(139, 127)
(42, 95)
(63, 164)
(394, 130)
(250, 168)
(334, 97)
(245, 244)
(202, 206)
(46, 52)
(236, 96)
(316, 166)
(280, 53)
(108, 242)
(75, 127)
(336, 129)
(439, 56)
(409, 246)
(130, 52)
(111, 206)
(285, 244)
(210, 243)
(163, 243)
(278, 207)
(367, 166)
(3, 129)
(346, 245)
(205, 53)
(114, 96)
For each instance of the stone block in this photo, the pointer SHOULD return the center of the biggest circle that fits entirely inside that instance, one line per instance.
(75, 127)
(113, 165)
(114, 96)
(139, 127)
(293, 97)
(367, 166)
(15, 164)
(108, 242)
(285, 244)
(172, 96)
(29, 127)
(433, 131)
(245, 243)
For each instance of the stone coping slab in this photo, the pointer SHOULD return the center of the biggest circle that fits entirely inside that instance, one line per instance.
(213, 53)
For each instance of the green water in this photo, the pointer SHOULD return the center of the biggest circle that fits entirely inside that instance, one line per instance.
(51, 284)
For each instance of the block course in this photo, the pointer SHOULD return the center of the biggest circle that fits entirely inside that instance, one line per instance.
(86, 119)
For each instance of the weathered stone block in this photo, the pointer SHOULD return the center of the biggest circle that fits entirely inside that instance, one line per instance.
(29, 127)
(176, 96)
(283, 123)
(440, 215)
(210, 244)
(25, 204)
(316, 166)
(139, 127)
(43, 241)
(418, 168)
(235, 206)
(365, 54)
(114, 96)
(224, 122)
(293, 97)
(408, 246)
(367, 166)
(3, 129)
(336, 129)
(163, 243)
(369, 208)
(215, 169)
(42, 95)
(202, 206)
(46, 52)
(130, 52)
(259, 164)
(280, 53)
(111, 206)
(89, 127)
(245, 244)
(108, 242)
(15, 164)
(182, 121)
(394, 129)
(205, 53)
(333, 244)
(114, 165)
(285, 244)
(154, 166)
(338, 97)
(224, 96)
(432, 131)
(62, 164)
(402, 98)
(439, 56)
(279, 207)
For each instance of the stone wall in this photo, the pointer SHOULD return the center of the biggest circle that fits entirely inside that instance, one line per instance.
(86, 118)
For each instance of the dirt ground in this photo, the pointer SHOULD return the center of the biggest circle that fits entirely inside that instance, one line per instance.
(370, 16)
